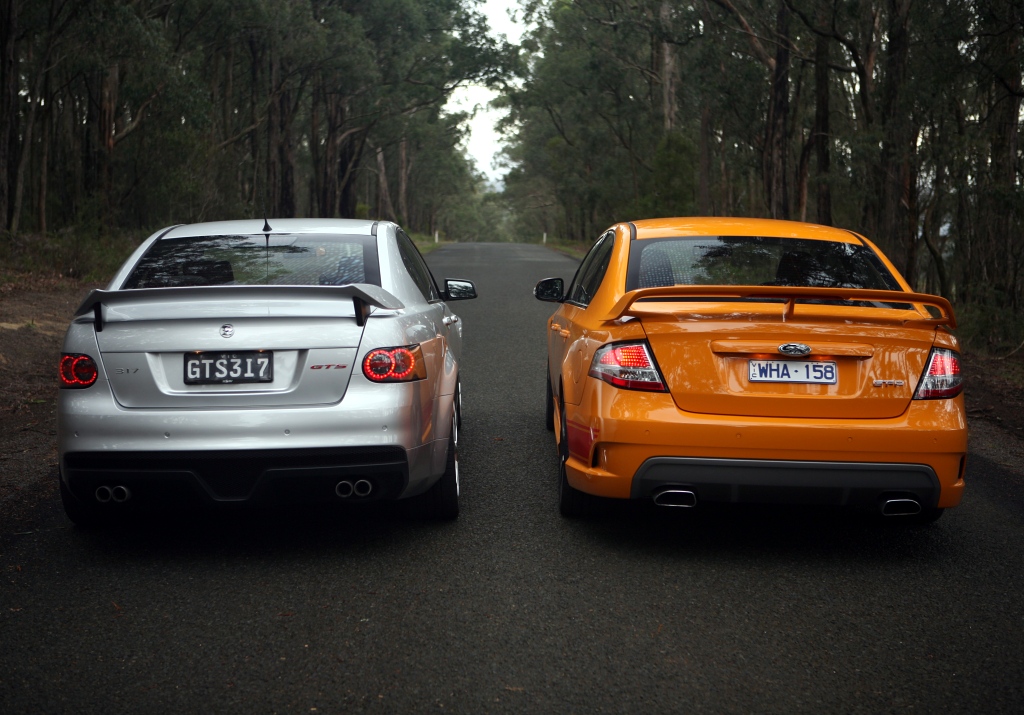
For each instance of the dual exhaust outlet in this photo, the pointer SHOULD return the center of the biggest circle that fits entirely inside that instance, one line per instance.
(901, 507)
(686, 498)
(118, 494)
(675, 497)
(361, 488)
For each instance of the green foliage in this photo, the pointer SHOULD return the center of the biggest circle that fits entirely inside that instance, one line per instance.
(670, 188)
(82, 255)
(655, 108)
(156, 113)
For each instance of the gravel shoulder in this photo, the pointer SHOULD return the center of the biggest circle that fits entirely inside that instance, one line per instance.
(34, 313)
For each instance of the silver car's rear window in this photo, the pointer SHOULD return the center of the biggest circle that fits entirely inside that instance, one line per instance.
(277, 259)
(755, 260)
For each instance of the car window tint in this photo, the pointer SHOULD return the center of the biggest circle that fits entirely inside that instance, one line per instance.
(591, 271)
(755, 260)
(278, 259)
(417, 267)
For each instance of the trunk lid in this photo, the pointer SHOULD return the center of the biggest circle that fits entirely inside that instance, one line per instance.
(705, 356)
(312, 334)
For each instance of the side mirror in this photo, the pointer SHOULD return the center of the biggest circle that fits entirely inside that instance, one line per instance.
(550, 290)
(457, 289)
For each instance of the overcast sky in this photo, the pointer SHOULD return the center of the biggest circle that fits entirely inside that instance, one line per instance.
(483, 142)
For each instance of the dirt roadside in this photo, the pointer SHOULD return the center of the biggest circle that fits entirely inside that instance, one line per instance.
(34, 313)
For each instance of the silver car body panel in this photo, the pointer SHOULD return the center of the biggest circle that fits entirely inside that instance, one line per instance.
(140, 402)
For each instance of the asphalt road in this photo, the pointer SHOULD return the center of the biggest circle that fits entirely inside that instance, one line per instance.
(513, 608)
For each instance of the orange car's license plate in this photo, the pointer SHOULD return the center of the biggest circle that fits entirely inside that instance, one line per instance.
(804, 371)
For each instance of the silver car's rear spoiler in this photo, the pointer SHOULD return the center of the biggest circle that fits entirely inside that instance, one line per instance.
(363, 296)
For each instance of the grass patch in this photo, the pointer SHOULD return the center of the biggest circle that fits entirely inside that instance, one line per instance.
(426, 243)
(993, 332)
(68, 254)
(572, 249)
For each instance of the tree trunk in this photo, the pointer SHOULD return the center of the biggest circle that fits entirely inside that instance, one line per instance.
(316, 178)
(286, 207)
(8, 100)
(384, 207)
(667, 70)
(1001, 204)
(34, 98)
(109, 87)
(822, 139)
(894, 164)
(776, 148)
(802, 173)
(273, 183)
(44, 165)
(704, 207)
(404, 166)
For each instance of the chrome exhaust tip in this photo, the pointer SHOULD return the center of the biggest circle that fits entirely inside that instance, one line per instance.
(103, 494)
(363, 487)
(675, 497)
(120, 494)
(901, 507)
(343, 489)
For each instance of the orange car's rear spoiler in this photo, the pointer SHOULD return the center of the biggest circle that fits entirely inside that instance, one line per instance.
(625, 304)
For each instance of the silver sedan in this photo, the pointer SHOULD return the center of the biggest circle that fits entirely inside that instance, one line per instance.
(255, 362)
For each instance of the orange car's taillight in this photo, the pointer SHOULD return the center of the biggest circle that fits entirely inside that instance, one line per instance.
(941, 377)
(627, 365)
(77, 371)
(402, 364)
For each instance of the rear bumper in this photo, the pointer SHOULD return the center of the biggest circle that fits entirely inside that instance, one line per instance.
(239, 476)
(260, 453)
(787, 482)
(627, 444)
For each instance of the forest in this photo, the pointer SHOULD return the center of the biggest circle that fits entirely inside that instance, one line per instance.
(899, 119)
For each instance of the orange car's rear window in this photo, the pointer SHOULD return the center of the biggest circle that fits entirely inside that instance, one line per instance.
(755, 260)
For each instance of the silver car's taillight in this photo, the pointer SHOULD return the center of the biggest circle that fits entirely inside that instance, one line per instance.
(401, 364)
(941, 378)
(627, 365)
(77, 371)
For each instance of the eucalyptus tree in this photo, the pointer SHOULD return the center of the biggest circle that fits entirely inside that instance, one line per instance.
(900, 119)
(121, 115)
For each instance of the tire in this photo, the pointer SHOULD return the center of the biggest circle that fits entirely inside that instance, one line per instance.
(441, 501)
(81, 514)
(572, 503)
(549, 407)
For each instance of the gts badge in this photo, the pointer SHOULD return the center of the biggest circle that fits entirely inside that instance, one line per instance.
(125, 370)
(888, 383)
(327, 367)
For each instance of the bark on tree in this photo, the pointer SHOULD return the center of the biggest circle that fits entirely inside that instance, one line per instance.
(384, 205)
(669, 76)
(776, 150)
(822, 137)
(894, 183)
(704, 206)
(8, 101)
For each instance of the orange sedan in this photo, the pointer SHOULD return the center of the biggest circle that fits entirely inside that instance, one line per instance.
(697, 360)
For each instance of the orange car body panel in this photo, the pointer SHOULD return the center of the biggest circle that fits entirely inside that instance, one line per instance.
(711, 410)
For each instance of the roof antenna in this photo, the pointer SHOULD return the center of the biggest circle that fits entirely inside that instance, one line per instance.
(266, 224)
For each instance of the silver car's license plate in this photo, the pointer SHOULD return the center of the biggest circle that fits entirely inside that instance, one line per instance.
(804, 371)
(210, 368)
